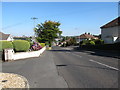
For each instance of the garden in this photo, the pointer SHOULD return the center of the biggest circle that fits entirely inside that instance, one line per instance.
(99, 45)
(21, 47)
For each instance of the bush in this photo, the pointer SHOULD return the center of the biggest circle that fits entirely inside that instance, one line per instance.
(86, 42)
(36, 46)
(21, 45)
(81, 42)
(42, 44)
(92, 43)
(38, 39)
(5, 45)
(98, 42)
(48, 44)
(115, 46)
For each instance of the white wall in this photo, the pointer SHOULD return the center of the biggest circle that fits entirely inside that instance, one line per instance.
(10, 55)
(108, 34)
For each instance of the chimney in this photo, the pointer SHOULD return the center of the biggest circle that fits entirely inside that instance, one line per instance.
(88, 33)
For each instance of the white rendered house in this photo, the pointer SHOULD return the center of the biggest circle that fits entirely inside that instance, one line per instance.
(5, 37)
(110, 32)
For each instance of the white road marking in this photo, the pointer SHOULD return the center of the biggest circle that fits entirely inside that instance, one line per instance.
(104, 65)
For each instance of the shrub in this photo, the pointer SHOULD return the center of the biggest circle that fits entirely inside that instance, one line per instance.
(21, 45)
(92, 43)
(42, 44)
(98, 41)
(36, 46)
(38, 39)
(5, 45)
(86, 42)
(46, 43)
(81, 42)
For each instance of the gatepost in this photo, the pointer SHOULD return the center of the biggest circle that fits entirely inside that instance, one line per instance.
(8, 54)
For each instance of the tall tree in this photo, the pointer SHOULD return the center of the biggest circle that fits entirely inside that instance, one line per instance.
(47, 31)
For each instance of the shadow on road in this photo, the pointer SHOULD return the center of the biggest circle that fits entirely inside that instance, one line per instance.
(60, 50)
(103, 53)
(75, 65)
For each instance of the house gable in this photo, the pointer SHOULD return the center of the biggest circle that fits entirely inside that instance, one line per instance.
(5, 37)
(113, 23)
(110, 32)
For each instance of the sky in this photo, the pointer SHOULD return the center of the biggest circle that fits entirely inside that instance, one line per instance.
(75, 17)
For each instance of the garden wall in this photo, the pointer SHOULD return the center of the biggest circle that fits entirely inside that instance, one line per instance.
(22, 55)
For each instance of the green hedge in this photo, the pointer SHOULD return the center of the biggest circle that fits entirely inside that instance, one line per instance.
(5, 45)
(115, 46)
(98, 42)
(92, 43)
(42, 44)
(21, 45)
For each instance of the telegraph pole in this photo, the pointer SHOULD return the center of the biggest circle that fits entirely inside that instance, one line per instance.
(34, 19)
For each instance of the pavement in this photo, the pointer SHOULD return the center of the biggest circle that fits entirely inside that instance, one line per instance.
(40, 72)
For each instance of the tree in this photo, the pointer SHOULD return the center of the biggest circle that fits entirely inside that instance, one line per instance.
(47, 31)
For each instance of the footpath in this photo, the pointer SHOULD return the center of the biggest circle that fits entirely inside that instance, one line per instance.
(40, 72)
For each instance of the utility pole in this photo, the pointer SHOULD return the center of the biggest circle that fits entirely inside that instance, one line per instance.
(34, 19)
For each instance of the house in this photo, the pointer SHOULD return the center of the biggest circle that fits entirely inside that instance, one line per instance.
(85, 36)
(110, 32)
(5, 37)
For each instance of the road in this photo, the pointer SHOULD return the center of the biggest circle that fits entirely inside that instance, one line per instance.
(67, 68)
(86, 69)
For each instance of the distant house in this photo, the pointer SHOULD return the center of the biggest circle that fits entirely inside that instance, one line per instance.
(5, 37)
(29, 38)
(85, 37)
(110, 32)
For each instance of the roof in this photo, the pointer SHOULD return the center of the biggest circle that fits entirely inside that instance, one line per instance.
(4, 36)
(115, 22)
(86, 36)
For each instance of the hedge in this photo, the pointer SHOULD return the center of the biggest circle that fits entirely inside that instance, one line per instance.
(42, 44)
(115, 46)
(92, 43)
(5, 45)
(98, 42)
(21, 45)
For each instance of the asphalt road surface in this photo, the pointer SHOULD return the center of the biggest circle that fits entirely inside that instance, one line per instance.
(86, 69)
(64, 67)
